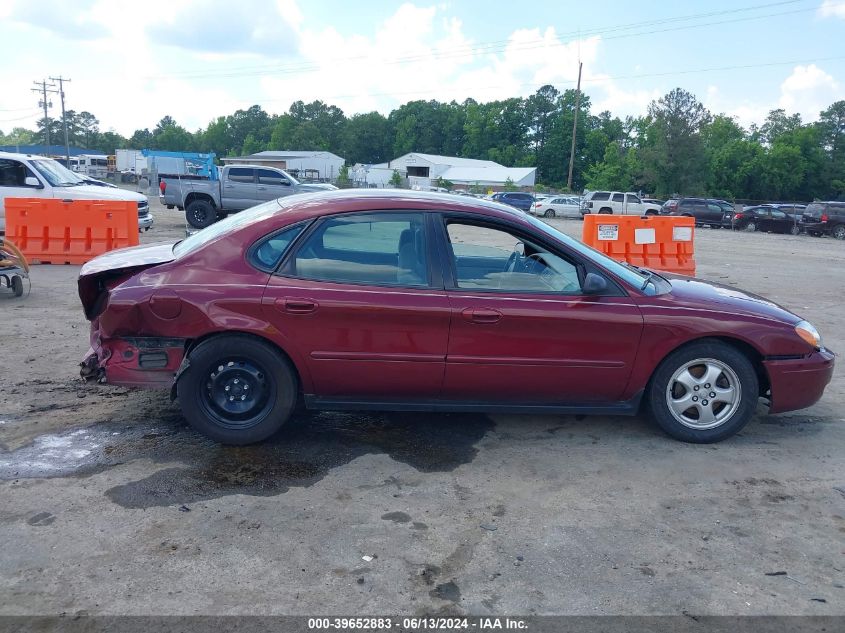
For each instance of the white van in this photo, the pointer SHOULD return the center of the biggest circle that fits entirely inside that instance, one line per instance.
(30, 176)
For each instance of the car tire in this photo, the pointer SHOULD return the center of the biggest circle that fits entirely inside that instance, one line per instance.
(838, 232)
(751, 226)
(237, 389)
(706, 367)
(795, 230)
(200, 214)
(606, 211)
(550, 213)
(17, 286)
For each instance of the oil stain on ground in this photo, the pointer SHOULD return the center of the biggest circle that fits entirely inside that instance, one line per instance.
(301, 454)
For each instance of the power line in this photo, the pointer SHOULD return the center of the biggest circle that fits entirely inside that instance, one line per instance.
(31, 114)
(61, 81)
(45, 103)
(497, 45)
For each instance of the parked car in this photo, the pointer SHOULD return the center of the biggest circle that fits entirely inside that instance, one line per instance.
(616, 203)
(518, 199)
(825, 218)
(237, 187)
(562, 207)
(767, 219)
(706, 211)
(409, 301)
(31, 176)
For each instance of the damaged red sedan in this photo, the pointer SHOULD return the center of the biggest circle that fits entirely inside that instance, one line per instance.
(405, 301)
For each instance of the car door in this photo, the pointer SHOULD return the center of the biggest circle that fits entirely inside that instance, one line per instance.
(762, 217)
(618, 201)
(714, 213)
(272, 184)
(779, 222)
(521, 330)
(13, 175)
(633, 205)
(364, 306)
(239, 188)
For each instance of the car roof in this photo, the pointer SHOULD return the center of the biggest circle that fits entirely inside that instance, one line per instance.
(315, 204)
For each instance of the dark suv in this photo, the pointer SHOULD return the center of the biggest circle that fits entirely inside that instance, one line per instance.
(518, 199)
(825, 218)
(716, 213)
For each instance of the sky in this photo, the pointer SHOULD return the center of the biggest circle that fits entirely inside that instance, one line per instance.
(131, 63)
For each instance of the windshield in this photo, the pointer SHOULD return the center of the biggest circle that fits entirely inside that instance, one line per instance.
(56, 174)
(627, 274)
(226, 225)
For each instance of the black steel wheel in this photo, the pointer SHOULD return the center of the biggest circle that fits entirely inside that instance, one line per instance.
(237, 389)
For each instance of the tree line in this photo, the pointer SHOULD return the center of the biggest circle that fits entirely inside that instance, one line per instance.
(678, 147)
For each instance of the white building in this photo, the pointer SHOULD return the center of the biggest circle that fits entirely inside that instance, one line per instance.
(423, 170)
(310, 165)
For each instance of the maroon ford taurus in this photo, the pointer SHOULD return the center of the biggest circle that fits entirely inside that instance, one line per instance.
(404, 301)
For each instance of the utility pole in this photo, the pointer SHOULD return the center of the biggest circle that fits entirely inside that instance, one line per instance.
(574, 127)
(44, 88)
(61, 81)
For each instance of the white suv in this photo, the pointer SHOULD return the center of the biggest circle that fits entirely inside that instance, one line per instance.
(617, 203)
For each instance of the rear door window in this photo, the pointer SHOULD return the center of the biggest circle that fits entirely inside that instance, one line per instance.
(618, 197)
(242, 174)
(385, 249)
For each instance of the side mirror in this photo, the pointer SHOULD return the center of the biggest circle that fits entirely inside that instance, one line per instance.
(32, 181)
(284, 182)
(594, 284)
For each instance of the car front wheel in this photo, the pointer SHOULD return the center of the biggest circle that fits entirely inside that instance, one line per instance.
(237, 389)
(703, 393)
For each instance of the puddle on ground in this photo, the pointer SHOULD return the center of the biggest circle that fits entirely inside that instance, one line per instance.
(302, 453)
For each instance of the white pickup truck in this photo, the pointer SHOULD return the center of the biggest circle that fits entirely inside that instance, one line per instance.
(616, 203)
(30, 176)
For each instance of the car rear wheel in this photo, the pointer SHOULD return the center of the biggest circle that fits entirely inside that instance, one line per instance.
(200, 214)
(237, 389)
(839, 232)
(550, 213)
(17, 286)
(703, 393)
(750, 226)
(795, 229)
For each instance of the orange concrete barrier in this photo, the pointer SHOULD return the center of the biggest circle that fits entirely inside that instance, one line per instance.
(70, 231)
(663, 243)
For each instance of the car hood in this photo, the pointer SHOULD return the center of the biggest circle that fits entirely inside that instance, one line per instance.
(95, 192)
(316, 186)
(700, 293)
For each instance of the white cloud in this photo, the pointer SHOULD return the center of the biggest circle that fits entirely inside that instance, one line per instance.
(832, 8)
(251, 27)
(808, 91)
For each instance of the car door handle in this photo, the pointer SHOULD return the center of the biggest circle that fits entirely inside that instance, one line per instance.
(296, 306)
(262, 188)
(483, 315)
(228, 186)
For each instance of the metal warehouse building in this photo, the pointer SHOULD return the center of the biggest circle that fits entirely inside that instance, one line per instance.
(305, 165)
(423, 170)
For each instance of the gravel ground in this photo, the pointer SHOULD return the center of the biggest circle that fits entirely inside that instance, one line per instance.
(109, 504)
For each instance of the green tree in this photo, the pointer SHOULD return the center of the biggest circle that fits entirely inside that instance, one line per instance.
(343, 180)
(396, 179)
(672, 148)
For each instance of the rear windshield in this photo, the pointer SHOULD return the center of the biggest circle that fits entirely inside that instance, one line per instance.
(815, 210)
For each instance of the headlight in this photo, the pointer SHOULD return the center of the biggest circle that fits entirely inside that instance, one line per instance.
(809, 334)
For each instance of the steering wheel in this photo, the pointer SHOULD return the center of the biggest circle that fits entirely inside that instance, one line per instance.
(511, 264)
(548, 276)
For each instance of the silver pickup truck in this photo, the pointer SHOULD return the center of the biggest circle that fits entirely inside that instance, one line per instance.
(237, 187)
